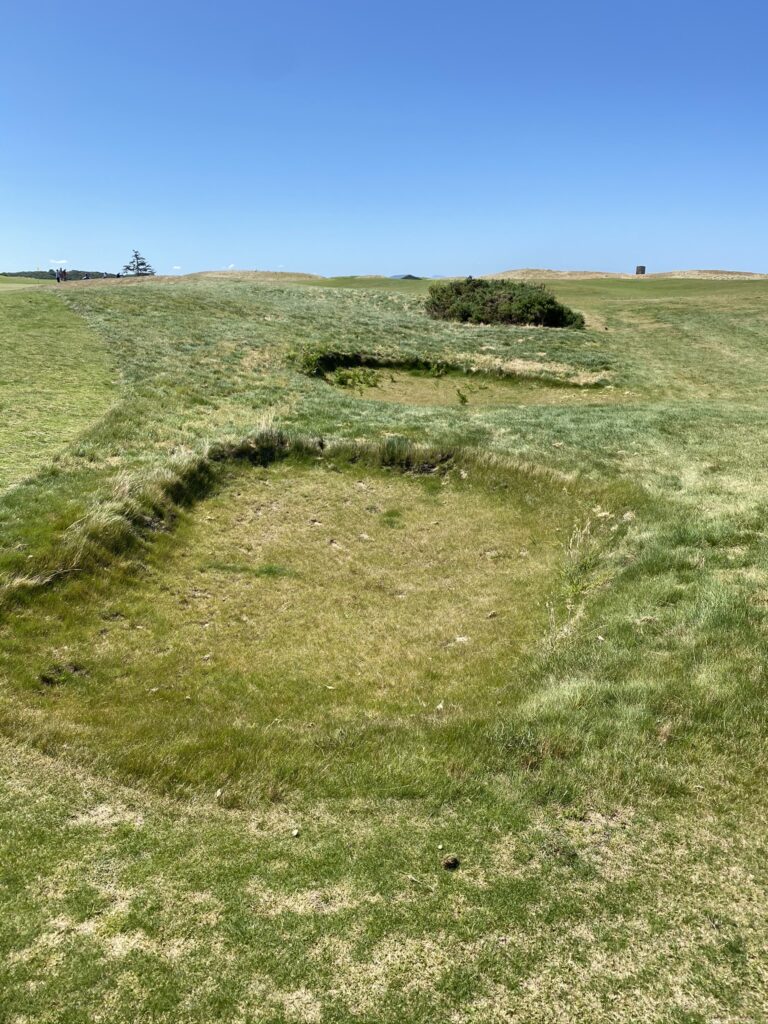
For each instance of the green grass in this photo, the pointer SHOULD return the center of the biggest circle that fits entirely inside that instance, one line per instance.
(54, 381)
(18, 282)
(270, 651)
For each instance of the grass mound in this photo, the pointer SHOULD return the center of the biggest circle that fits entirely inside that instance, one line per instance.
(499, 302)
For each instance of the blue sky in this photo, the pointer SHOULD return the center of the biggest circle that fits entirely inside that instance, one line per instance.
(426, 138)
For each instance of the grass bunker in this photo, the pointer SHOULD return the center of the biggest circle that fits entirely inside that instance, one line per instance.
(464, 390)
(259, 640)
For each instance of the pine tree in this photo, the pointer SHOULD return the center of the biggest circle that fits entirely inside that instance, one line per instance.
(138, 265)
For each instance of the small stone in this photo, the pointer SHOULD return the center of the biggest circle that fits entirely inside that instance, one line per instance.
(451, 862)
(492, 615)
(218, 794)
(295, 833)
(440, 846)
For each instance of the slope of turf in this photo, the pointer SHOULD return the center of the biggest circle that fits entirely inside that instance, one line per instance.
(55, 381)
(588, 642)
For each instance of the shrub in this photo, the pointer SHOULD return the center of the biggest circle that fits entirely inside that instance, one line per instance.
(478, 301)
(355, 377)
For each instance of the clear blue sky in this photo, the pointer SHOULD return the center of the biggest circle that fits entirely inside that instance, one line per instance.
(426, 138)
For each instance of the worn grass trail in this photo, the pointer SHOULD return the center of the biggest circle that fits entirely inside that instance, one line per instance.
(278, 680)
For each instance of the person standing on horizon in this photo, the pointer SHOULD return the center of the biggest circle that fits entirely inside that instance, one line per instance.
(58, 276)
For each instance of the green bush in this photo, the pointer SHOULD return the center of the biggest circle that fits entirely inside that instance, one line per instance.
(478, 301)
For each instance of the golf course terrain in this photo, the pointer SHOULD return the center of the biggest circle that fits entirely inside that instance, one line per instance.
(357, 666)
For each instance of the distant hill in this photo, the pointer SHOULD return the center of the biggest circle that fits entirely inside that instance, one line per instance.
(528, 274)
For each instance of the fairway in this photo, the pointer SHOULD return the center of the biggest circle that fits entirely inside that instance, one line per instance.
(328, 696)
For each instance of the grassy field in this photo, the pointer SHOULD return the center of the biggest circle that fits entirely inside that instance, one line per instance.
(55, 379)
(271, 651)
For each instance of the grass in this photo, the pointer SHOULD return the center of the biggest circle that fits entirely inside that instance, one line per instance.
(421, 387)
(19, 282)
(528, 634)
(56, 380)
(326, 702)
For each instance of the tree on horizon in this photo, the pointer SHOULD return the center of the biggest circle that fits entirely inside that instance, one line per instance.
(138, 266)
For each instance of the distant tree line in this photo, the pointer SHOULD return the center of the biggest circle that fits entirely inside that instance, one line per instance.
(136, 266)
(47, 275)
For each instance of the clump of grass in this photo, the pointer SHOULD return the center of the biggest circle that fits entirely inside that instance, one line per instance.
(355, 377)
(347, 367)
(393, 517)
(272, 571)
(480, 301)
